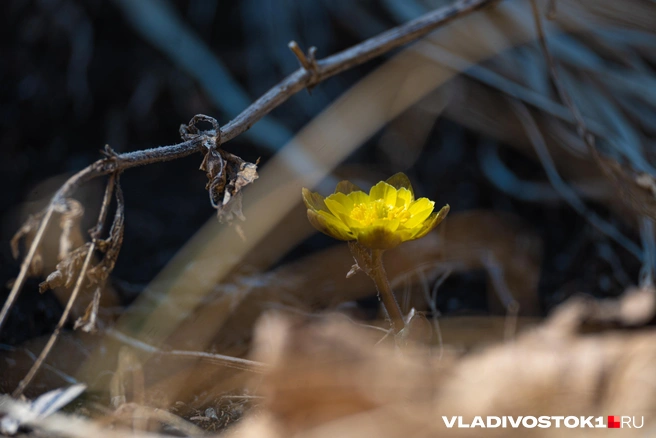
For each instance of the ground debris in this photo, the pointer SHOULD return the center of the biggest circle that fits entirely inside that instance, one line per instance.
(329, 379)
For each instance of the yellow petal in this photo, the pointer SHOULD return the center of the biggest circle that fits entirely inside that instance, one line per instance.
(432, 222)
(383, 191)
(358, 197)
(420, 204)
(346, 187)
(313, 200)
(339, 204)
(400, 180)
(404, 197)
(329, 225)
(335, 221)
(381, 219)
(418, 218)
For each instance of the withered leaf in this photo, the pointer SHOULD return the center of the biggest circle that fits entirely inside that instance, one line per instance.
(67, 270)
(70, 222)
(88, 321)
(70, 212)
(227, 174)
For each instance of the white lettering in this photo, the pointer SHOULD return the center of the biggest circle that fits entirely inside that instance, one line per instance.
(448, 423)
(571, 422)
(514, 423)
(532, 420)
(545, 422)
(497, 419)
(586, 422)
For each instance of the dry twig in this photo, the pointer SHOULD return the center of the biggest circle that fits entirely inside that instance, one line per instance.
(111, 247)
(219, 359)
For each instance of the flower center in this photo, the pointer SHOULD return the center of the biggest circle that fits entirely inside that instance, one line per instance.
(367, 213)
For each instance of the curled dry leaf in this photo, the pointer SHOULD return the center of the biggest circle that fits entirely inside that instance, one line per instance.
(227, 174)
(67, 270)
(87, 322)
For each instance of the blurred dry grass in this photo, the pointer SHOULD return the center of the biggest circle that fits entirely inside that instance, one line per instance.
(328, 379)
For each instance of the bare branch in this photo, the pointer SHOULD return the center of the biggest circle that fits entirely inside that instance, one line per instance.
(347, 59)
(302, 59)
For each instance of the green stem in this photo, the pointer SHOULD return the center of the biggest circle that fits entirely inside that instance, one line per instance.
(378, 275)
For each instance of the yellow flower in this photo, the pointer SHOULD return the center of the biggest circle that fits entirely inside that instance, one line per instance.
(382, 219)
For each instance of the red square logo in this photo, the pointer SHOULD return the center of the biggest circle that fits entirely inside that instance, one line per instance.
(614, 422)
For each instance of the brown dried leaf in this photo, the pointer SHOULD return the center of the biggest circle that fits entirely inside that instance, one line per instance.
(227, 174)
(636, 307)
(70, 223)
(67, 270)
(329, 379)
(71, 212)
(341, 370)
(88, 321)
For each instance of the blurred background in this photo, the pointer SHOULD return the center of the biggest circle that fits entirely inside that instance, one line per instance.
(533, 218)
